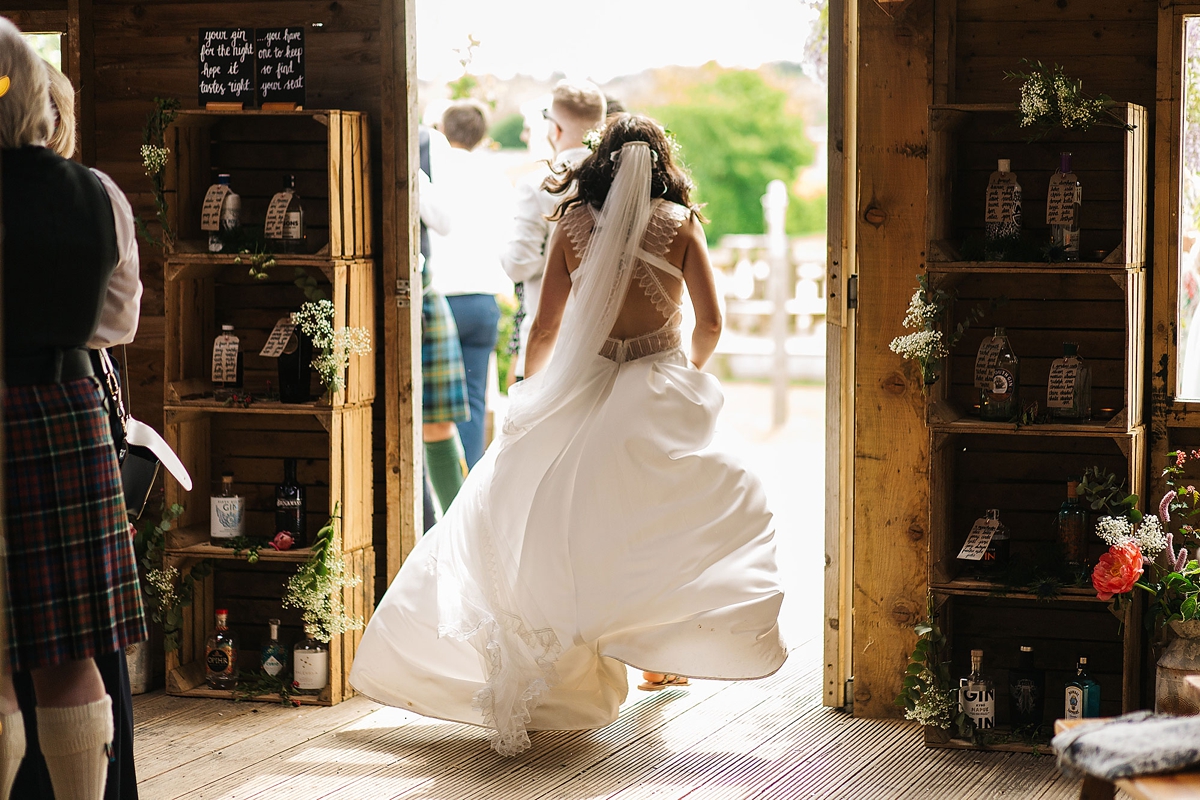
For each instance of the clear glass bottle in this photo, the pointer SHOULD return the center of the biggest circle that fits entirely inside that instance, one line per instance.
(977, 694)
(231, 216)
(290, 513)
(1066, 185)
(996, 557)
(227, 512)
(1071, 527)
(1082, 695)
(220, 655)
(292, 235)
(274, 656)
(1000, 397)
(1002, 215)
(1077, 406)
(310, 661)
(223, 389)
(1026, 692)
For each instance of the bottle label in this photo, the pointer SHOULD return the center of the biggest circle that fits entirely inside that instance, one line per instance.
(979, 539)
(1025, 695)
(1003, 384)
(224, 360)
(275, 224)
(985, 360)
(231, 212)
(228, 518)
(1002, 212)
(978, 702)
(210, 211)
(277, 343)
(1061, 199)
(272, 666)
(1064, 374)
(292, 226)
(1074, 703)
(220, 661)
(312, 669)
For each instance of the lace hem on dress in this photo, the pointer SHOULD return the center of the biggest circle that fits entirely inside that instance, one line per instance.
(648, 344)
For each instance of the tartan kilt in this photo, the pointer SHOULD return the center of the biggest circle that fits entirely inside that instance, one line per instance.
(444, 378)
(73, 588)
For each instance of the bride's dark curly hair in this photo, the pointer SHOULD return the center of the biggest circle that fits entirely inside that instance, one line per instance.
(590, 180)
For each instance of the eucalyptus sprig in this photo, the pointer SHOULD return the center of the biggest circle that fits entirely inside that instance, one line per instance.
(928, 695)
(155, 155)
(169, 588)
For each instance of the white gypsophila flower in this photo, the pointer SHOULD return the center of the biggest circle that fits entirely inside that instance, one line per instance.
(1151, 537)
(1035, 101)
(920, 312)
(163, 582)
(934, 708)
(154, 159)
(1114, 530)
(919, 346)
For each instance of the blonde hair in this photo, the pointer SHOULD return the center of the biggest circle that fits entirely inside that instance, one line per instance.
(25, 116)
(581, 103)
(62, 102)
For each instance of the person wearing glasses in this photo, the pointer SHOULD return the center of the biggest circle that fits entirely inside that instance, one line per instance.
(576, 108)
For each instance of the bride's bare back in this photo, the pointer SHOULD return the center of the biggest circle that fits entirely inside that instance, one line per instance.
(673, 253)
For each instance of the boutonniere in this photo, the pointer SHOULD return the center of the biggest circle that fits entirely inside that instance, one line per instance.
(5, 82)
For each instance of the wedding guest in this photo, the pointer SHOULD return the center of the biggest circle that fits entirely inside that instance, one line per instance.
(73, 591)
(468, 272)
(118, 325)
(575, 109)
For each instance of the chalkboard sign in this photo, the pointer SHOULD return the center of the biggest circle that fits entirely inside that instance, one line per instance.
(280, 68)
(226, 66)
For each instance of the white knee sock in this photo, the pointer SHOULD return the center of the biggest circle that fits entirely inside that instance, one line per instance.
(75, 743)
(12, 750)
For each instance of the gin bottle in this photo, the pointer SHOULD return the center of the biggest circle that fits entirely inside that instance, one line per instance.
(289, 505)
(1071, 527)
(1069, 394)
(291, 232)
(1064, 201)
(977, 694)
(311, 664)
(274, 656)
(1026, 691)
(220, 655)
(999, 397)
(230, 216)
(228, 371)
(996, 557)
(1002, 217)
(1082, 695)
(227, 519)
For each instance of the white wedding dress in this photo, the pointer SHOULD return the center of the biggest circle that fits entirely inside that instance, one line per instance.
(607, 532)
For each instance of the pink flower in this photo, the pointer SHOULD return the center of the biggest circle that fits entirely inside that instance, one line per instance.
(282, 541)
(1118, 570)
(1180, 458)
(1164, 507)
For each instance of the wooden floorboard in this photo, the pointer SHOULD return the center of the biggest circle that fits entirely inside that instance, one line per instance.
(768, 739)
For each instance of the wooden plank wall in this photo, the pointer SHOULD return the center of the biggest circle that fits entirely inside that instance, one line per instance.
(1112, 46)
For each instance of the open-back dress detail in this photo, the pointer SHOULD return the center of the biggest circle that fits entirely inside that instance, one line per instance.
(610, 533)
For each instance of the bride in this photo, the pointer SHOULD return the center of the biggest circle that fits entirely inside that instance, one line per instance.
(599, 529)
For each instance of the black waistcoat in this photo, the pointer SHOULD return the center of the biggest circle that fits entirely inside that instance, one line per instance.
(60, 249)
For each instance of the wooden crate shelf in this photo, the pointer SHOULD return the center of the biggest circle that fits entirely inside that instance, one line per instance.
(1022, 470)
(965, 141)
(330, 436)
(1102, 311)
(204, 291)
(327, 151)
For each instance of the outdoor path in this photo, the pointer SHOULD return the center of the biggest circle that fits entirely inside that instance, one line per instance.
(766, 739)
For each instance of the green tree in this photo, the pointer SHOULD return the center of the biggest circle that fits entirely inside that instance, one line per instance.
(507, 132)
(737, 135)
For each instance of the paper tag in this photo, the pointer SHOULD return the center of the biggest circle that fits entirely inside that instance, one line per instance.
(1061, 199)
(985, 360)
(978, 539)
(273, 226)
(224, 362)
(1003, 201)
(278, 340)
(210, 212)
(1060, 391)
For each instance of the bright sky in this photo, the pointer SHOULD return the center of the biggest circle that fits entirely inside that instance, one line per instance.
(601, 40)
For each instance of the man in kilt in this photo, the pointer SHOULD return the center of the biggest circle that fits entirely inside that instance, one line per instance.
(444, 401)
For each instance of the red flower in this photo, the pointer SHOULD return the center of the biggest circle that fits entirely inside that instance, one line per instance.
(282, 541)
(1118, 570)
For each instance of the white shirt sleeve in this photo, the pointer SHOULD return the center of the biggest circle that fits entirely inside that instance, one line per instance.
(434, 211)
(123, 299)
(524, 257)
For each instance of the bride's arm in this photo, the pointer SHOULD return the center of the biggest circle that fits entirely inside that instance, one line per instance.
(697, 274)
(556, 288)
